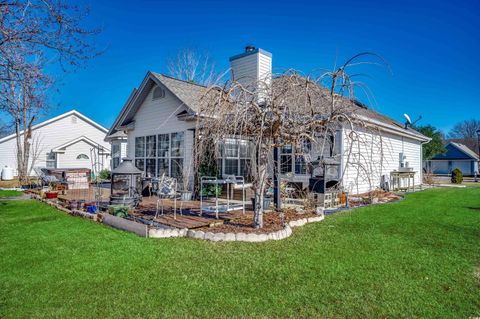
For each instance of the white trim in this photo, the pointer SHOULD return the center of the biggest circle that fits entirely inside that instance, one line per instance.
(58, 149)
(396, 130)
(59, 117)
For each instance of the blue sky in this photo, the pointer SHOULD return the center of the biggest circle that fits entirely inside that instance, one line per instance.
(431, 46)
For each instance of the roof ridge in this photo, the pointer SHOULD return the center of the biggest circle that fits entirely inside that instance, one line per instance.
(180, 80)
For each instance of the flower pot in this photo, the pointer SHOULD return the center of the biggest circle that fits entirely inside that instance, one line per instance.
(51, 195)
(186, 195)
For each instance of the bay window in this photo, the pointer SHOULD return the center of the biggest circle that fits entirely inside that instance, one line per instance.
(160, 154)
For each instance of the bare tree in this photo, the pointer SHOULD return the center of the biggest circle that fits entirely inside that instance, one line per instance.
(33, 35)
(465, 129)
(290, 110)
(194, 66)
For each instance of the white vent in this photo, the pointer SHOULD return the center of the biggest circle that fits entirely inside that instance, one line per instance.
(158, 93)
(74, 120)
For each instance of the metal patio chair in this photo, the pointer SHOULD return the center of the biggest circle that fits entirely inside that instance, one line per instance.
(167, 189)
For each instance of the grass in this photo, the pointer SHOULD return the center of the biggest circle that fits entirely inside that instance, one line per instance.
(9, 193)
(416, 258)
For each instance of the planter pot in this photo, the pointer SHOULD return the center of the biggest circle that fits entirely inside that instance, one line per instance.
(187, 195)
(267, 201)
(51, 195)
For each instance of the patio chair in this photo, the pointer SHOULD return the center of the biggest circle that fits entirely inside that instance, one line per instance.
(167, 189)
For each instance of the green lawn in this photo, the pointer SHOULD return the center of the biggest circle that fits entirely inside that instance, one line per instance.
(9, 193)
(415, 258)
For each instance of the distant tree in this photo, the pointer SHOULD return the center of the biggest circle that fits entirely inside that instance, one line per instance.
(465, 129)
(435, 146)
(194, 66)
(34, 35)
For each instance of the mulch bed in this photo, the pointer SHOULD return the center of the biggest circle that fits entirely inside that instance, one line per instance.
(243, 223)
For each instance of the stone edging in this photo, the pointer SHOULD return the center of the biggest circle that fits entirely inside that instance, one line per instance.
(171, 232)
(245, 237)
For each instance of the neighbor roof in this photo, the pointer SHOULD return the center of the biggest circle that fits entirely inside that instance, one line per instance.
(56, 118)
(61, 148)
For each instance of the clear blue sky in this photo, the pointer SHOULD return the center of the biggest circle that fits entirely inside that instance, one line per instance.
(431, 46)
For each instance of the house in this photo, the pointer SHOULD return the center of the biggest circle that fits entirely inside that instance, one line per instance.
(70, 140)
(159, 121)
(457, 156)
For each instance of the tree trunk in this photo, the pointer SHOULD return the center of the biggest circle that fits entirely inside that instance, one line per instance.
(260, 192)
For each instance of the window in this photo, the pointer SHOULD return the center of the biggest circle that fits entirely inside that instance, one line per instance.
(116, 154)
(293, 159)
(235, 157)
(286, 159)
(51, 161)
(160, 154)
(158, 93)
(82, 157)
(140, 146)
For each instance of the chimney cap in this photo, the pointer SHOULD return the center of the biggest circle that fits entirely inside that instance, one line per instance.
(249, 50)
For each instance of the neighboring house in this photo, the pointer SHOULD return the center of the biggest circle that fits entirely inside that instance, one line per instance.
(457, 156)
(70, 140)
(160, 119)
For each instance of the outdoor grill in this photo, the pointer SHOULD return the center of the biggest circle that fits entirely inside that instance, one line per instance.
(126, 184)
(329, 177)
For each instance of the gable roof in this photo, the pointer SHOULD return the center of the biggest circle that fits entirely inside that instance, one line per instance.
(192, 96)
(60, 148)
(457, 151)
(358, 109)
(57, 118)
(189, 94)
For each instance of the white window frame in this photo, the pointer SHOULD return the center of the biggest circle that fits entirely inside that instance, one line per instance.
(51, 160)
(170, 158)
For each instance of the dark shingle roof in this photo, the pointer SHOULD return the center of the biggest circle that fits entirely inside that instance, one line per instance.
(190, 94)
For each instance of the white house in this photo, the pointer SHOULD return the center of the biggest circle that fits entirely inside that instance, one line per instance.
(159, 121)
(70, 140)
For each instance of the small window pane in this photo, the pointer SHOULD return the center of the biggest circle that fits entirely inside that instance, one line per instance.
(162, 167)
(115, 150)
(286, 149)
(231, 147)
(177, 168)
(151, 168)
(285, 164)
(115, 162)
(231, 166)
(140, 146)
(300, 165)
(140, 164)
(244, 148)
(151, 146)
(245, 168)
(177, 144)
(163, 145)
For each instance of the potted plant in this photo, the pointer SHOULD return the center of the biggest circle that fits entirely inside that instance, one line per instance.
(51, 193)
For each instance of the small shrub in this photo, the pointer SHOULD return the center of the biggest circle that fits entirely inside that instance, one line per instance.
(104, 174)
(457, 176)
(118, 210)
